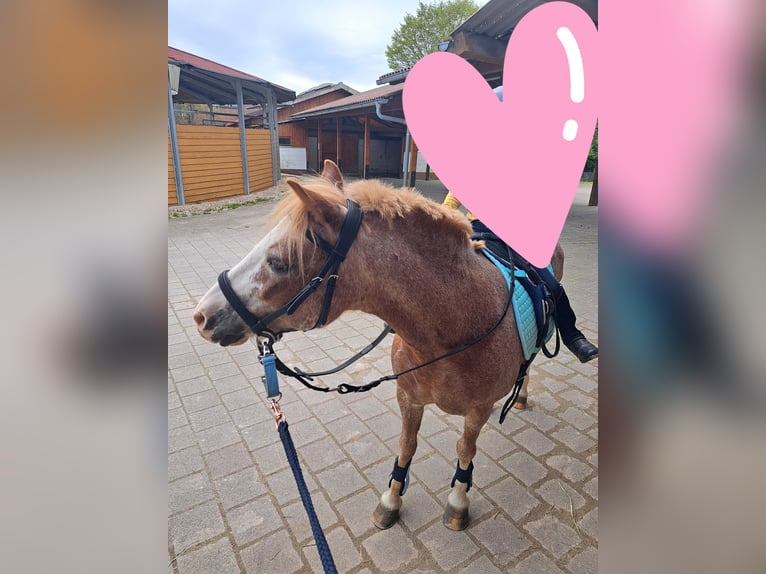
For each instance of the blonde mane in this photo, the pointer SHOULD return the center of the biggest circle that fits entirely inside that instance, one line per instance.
(374, 197)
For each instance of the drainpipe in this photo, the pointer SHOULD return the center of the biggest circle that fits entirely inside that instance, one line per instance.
(400, 121)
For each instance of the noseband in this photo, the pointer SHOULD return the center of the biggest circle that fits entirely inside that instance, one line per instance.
(329, 271)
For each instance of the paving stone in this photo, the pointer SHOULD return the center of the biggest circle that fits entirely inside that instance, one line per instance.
(553, 385)
(525, 467)
(447, 547)
(177, 418)
(216, 358)
(253, 414)
(233, 383)
(494, 444)
(227, 369)
(196, 525)
(537, 417)
(174, 401)
(239, 487)
(574, 439)
(501, 538)
(184, 462)
(214, 416)
(589, 524)
(591, 488)
(193, 384)
(321, 454)
(552, 494)
(341, 480)
(572, 469)
(345, 554)
(390, 549)
(586, 562)
(593, 459)
(534, 441)
(214, 557)
(576, 397)
(201, 401)
(419, 508)
(433, 471)
(272, 555)
(189, 491)
(481, 565)
(181, 438)
(240, 398)
(386, 426)
(282, 485)
(306, 431)
(555, 536)
(513, 498)
(431, 424)
(183, 360)
(217, 437)
(228, 459)
(587, 383)
(253, 520)
(270, 459)
(537, 563)
(367, 450)
(556, 368)
(485, 471)
(368, 408)
(347, 429)
(260, 434)
(298, 521)
(356, 511)
(578, 418)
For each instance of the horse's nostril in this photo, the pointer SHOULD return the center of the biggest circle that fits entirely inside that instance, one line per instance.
(199, 319)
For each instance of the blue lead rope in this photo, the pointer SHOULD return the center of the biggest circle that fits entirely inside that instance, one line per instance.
(324, 550)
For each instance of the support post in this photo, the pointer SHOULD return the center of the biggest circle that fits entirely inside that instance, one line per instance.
(274, 136)
(406, 159)
(242, 137)
(366, 145)
(337, 142)
(413, 167)
(174, 148)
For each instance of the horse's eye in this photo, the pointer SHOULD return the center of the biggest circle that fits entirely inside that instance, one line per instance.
(278, 265)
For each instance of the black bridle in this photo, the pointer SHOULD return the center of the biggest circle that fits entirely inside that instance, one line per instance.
(329, 271)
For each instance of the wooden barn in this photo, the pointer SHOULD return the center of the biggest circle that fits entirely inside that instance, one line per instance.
(214, 161)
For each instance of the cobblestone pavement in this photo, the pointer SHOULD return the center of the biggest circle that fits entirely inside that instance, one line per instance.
(233, 505)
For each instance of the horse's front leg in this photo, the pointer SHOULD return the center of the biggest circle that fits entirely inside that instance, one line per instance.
(456, 512)
(387, 512)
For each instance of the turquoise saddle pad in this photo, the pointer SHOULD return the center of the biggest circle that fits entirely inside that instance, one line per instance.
(523, 310)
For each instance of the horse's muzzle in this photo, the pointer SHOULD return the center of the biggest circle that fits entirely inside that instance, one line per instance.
(223, 326)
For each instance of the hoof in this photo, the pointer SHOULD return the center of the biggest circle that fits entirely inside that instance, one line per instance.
(384, 518)
(455, 519)
(520, 404)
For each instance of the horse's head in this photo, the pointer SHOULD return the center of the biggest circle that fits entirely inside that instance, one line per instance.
(280, 265)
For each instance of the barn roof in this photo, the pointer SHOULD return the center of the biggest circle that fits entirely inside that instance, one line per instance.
(205, 81)
(356, 101)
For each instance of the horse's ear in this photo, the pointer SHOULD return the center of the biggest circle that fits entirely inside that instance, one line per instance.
(317, 206)
(332, 172)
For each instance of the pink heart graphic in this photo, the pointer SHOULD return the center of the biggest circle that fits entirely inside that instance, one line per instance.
(515, 164)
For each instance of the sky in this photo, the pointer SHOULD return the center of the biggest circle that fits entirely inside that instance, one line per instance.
(297, 44)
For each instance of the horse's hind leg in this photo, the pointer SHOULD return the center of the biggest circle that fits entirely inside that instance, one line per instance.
(521, 400)
(387, 512)
(456, 512)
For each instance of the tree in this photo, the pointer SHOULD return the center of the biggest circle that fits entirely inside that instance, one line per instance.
(420, 34)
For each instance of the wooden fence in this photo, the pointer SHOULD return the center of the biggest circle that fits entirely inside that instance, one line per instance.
(211, 163)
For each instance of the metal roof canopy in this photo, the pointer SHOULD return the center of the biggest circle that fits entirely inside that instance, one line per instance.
(483, 38)
(203, 81)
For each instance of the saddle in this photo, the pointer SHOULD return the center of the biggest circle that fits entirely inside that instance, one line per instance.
(533, 303)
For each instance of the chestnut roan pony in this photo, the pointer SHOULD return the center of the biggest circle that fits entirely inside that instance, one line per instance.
(414, 265)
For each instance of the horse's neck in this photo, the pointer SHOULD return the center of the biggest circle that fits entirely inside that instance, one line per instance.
(433, 292)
